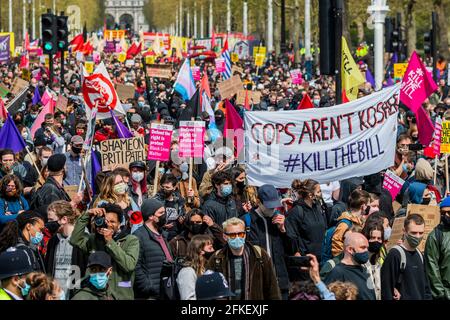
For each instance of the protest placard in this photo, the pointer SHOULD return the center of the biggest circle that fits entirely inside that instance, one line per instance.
(89, 66)
(191, 139)
(234, 57)
(437, 136)
(18, 85)
(445, 137)
(72, 191)
(26, 74)
(150, 59)
(400, 69)
(237, 70)
(220, 65)
(397, 232)
(159, 143)
(259, 60)
(296, 76)
(196, 73)
(392, 183)
(125, 92)
(121, 152)
(259, 50)
(61, 103)
(129, 63)
(431, 215)
(230, 87)
(163, 71)
(122, 57)
(324, 144)
(254, 97)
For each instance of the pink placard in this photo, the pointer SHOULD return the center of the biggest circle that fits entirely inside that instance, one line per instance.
(220, 65)
(191, 137)
(196, 73)
(296, 76)
(392, 183)
(437, 137)
(159, 144)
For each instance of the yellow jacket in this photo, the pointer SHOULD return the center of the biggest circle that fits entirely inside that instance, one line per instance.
(337, 244)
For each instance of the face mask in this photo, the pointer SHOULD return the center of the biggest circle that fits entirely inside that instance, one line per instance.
(226, 190)
(168, 193)
(208, 254)
(120, 188)
(162, 220)
(445, 220)
(240, 184)
(413, 241)
(99, 280)
(426, 201)
(387, 233)
(33, 116)
(37, 238)
(44, 162)
(236, 243)
(24, 135)
(52, 226)
(375, 246)
(76, 150)
(361, 257)
(140, 104)
(25, 290)
(316, 102)
(266, 212)
(367, 211)
(137, 176)
(196, 228)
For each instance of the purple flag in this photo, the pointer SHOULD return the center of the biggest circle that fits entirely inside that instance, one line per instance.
(95, 168)
(122, 130)
(36, 96)
(5, 50)
(10, 137)
(394, 58)
(369, 77)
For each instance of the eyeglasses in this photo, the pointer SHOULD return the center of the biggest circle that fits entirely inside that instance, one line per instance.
(237, 234)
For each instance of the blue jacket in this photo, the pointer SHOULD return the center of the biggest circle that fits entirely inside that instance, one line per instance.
(13, 206)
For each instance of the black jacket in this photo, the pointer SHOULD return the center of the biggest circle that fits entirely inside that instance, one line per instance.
(220, 209)
(174, 208)
(149, 265)
(33, 252)
(48, 193)
(279, 244)
(78, 257)
(306, 227)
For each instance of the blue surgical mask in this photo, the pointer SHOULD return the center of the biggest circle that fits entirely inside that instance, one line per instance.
(140, 104)
(99, 280)
(226, 190)
(236, 243)
(25, 290)
(316, 102)
(37, 238)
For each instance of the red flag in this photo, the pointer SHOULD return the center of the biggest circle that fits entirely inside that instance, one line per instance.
(306, 103)
(344, 97)
(3, 112)
(78, 42)
(139, 48)
(24, 62)
(234, 128)
(424, 126)
(246, 101)
(213, 41)
(131, 52)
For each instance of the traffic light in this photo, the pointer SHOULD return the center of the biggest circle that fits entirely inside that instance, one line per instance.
(326, 37)
(429, 44)
(395, 40)
(389, 26)
(62, 33)
(49, 37)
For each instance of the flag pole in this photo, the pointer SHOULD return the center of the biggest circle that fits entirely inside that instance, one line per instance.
(446, 175)
(436, 159)
(34, 163)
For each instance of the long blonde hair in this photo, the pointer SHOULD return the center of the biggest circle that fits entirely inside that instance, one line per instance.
(193, 257)
(107, 191)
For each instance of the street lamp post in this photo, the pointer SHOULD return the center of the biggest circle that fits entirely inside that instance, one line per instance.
(378, 9)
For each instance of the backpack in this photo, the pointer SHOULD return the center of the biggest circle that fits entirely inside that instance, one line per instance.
(401, 250)
(328, 239)
(169, 273)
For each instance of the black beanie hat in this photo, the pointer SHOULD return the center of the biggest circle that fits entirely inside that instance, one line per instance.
(56, 162)
(149, 207)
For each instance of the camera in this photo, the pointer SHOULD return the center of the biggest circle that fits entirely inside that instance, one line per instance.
(297, 262)
(100, 222)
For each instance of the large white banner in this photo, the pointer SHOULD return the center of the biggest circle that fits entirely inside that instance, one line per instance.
(327, 144)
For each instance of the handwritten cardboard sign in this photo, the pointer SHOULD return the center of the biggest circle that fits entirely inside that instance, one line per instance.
(191, 138)
(125, 92)
(397, 232)
(163, 71)
(445, 137)
(159, 144)
(237, 70)
(72, 191)
(431, 215)
(230, 87)
(121, 152)
(61, 103)
(254, 97)
(392, 183)
(18, 85)
(400, 69)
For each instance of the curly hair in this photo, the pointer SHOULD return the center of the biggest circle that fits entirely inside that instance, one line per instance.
(343, 290)
(41, 286)
(6, 180)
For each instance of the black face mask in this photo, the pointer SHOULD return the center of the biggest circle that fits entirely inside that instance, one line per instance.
(375, 246)
(366, 212)
(426, 201)
(52, 226)
(208, 255)
(167, 193)
(76, 150)
(196, 228)
(162, 220)
(240, 184)
(445, 220)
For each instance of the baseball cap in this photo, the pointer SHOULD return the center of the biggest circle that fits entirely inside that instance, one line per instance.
(76, 140)
(99, 258)
(269, 196)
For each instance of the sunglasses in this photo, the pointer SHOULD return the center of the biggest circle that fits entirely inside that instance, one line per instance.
(237, 234)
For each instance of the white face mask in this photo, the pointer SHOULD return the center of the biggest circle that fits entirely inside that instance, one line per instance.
(25, 135)
(138, 176)
(44, 162)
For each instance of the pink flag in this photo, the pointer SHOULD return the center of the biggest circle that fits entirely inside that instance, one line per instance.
(417, 84)
(425, 126)
(48, 108)
(46, 97)
(234, 128)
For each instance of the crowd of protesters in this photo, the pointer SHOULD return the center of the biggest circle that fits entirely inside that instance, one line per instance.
(221, 238)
